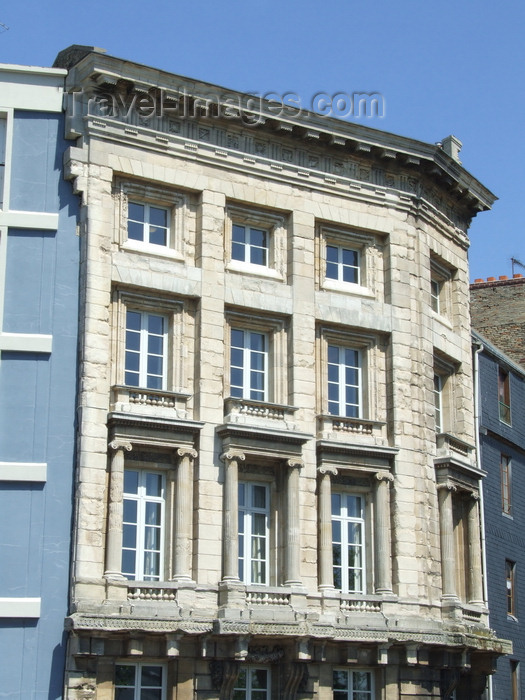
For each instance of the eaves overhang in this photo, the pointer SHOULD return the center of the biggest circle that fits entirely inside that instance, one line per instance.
(96, 71)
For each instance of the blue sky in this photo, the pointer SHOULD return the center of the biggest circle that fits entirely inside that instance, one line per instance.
(443, 68)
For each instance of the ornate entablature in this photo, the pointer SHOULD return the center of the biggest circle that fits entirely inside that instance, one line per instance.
(169, 113)
(260, 443)
(153, 432)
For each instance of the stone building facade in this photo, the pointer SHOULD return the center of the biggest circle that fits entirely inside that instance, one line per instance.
(39, 266)
(498, 312)
(277, 490)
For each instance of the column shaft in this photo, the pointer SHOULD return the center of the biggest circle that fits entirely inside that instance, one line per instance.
(326, 571)
(115, 510)
(382, 536)
(448, 558)
(183, 516)
(474, 554)
(230, 518)
(293, 540)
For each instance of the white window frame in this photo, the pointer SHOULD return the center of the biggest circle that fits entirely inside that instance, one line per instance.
(143, 351)
(246, 674)
(362, 244)
(274, 226)
(438, 401)
(344, 407)
(349, 693)
(276, 369)
(341, 266)
(142, 499)
(247, 513)
(137, 686)
(435, 291)
(150, 195)
(147, 226)
(440, 287)
(249, 247)
(345, 521)
(248, 356)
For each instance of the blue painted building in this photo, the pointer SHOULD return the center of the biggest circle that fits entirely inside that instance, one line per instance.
(39, 263)
(501, 398)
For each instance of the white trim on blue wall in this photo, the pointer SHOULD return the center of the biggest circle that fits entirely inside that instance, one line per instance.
(20, 607)
(23, 471)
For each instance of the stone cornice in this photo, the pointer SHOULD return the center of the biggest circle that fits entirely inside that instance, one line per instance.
(98, 72)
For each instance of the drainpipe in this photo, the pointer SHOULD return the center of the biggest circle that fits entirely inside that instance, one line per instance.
(479, 347)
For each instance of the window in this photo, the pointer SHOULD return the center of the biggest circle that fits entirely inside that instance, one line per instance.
(255, 242)
(352, 685)
(505, 470)
(342, 264)
(252, 684)
(515, 679)
(143, 532)
(148, 223)
(504, 395)
(145, 363)
(344, 382)
(250, 244)
(248, 365)
(140, 681)
(435, 291)
(254, 516)
(510, 576)
(348, 542)
(438, 402)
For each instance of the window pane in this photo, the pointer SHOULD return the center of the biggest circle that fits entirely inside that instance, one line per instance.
(151, 565)
(242, 491)
(124, 675)
(155, 365)
(259, 496)
(129, 565)
(130, 511)
(158, 236)
(340, 681)
(155, 344)
(362, 680)
(355, 533)
(333, 354)
(153, 484)
(152, 676)
(152, 538)
(155, 324)
(150, 694)
(259, 524)
(238, 233)
(133, 320)
(351, 357)
(336, 531)
(237, 338)
(350, 275)
(350, 257)
(237, 357)
(331, 253)
(135, 231)
(153, 511)
(136, 211)
(129, 536)
(158, 217)
(238, 251)
(132, 362)
(336, 504)
(258, 237)
(124, 694)
(353, 506)
(131, 481)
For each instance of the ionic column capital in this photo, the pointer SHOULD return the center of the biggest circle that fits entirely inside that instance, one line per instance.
(187, 452)
(327, 469)
(231, 455)
(384, 476)
(119, 444)
(447, 486)
(295, 463)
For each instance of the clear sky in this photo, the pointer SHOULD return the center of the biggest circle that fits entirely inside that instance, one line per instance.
(442, 67)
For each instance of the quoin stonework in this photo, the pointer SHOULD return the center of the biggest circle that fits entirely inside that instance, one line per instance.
(277, 492)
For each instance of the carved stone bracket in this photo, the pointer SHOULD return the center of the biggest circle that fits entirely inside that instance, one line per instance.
(447, 485)
(384, 476)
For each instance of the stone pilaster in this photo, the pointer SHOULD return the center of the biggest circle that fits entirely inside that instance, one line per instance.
(182, 537)
(293, 532)
(446, 526)
(326, 573)
(383, 564)
(231, 461)
(115, 509)
(474, 552)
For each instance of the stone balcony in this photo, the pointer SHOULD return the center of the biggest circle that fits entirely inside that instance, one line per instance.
(261, 413)
(149, 402)
(355, 430)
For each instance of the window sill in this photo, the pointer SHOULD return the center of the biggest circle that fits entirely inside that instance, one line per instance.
(251, 269)
(150, 249)
(330, 285)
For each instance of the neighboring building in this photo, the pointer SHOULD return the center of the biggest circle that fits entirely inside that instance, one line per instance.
(501, 395)
(277, 489)
(39, 268)
(498, 312)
